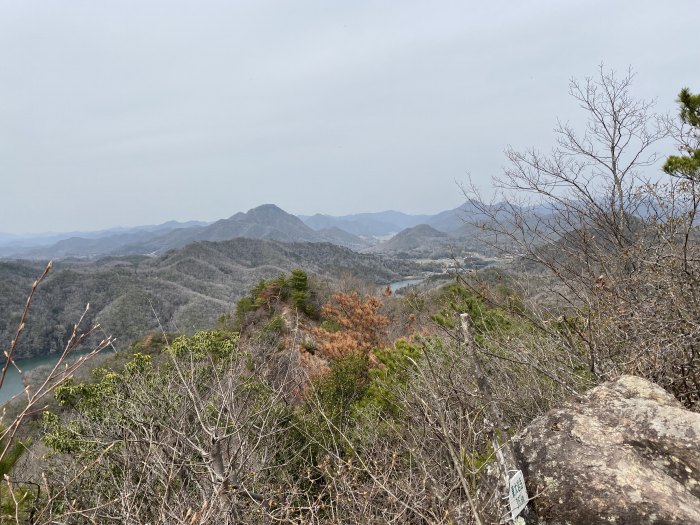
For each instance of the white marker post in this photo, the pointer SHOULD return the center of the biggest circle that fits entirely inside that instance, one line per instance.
(517, 494)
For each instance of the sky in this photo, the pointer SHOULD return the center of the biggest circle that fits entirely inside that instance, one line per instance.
(121, 113)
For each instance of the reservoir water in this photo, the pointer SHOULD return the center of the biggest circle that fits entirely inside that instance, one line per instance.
(398, 285)
(13, 380)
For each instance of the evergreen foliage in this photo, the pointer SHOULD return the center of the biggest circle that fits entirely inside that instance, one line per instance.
(687, 165)
(269, 294)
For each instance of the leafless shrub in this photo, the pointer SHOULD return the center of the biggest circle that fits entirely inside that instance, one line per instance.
(621, 249)
(33, 399)
(191, 446)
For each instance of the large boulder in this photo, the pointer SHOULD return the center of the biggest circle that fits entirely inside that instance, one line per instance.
(626, 453)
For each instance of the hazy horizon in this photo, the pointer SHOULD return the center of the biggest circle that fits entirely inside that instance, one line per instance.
(135, 113)
(300, 215)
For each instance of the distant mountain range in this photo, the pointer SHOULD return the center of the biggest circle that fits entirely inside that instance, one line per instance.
(366, 224)
(16, 241)
(385, 223)
(264, 222)
(358, 232)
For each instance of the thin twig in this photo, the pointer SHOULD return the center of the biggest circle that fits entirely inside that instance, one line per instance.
(20, 326)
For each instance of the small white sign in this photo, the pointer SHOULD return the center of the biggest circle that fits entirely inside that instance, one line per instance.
(517, 494)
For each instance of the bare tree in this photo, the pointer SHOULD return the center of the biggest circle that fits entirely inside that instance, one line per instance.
(617, 244)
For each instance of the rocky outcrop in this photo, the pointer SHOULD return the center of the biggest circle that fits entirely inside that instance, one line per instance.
(626, 453)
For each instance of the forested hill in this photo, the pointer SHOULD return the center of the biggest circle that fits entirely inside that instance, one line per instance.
(187, 288)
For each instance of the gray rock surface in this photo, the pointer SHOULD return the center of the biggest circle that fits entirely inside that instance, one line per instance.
(625, 453)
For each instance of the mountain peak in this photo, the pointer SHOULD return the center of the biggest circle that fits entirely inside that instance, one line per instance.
(267, 208)
(271, 213)
(264, 210)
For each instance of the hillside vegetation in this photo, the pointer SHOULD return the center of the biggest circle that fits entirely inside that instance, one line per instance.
(324, 402)
(185, 289)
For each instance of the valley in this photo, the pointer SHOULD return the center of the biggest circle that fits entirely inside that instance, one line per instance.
(184, 289)
(183, 276)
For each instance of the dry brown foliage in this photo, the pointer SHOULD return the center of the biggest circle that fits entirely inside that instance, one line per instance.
(361, 326)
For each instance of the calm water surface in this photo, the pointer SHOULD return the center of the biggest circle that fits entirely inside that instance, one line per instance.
(397, 285)
(13, 381)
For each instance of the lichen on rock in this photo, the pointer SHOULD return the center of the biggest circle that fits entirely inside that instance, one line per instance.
(625, 453)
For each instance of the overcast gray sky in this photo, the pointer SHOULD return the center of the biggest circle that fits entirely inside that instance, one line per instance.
(137, 112)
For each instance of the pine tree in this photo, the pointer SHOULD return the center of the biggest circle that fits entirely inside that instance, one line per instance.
(687, 165)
